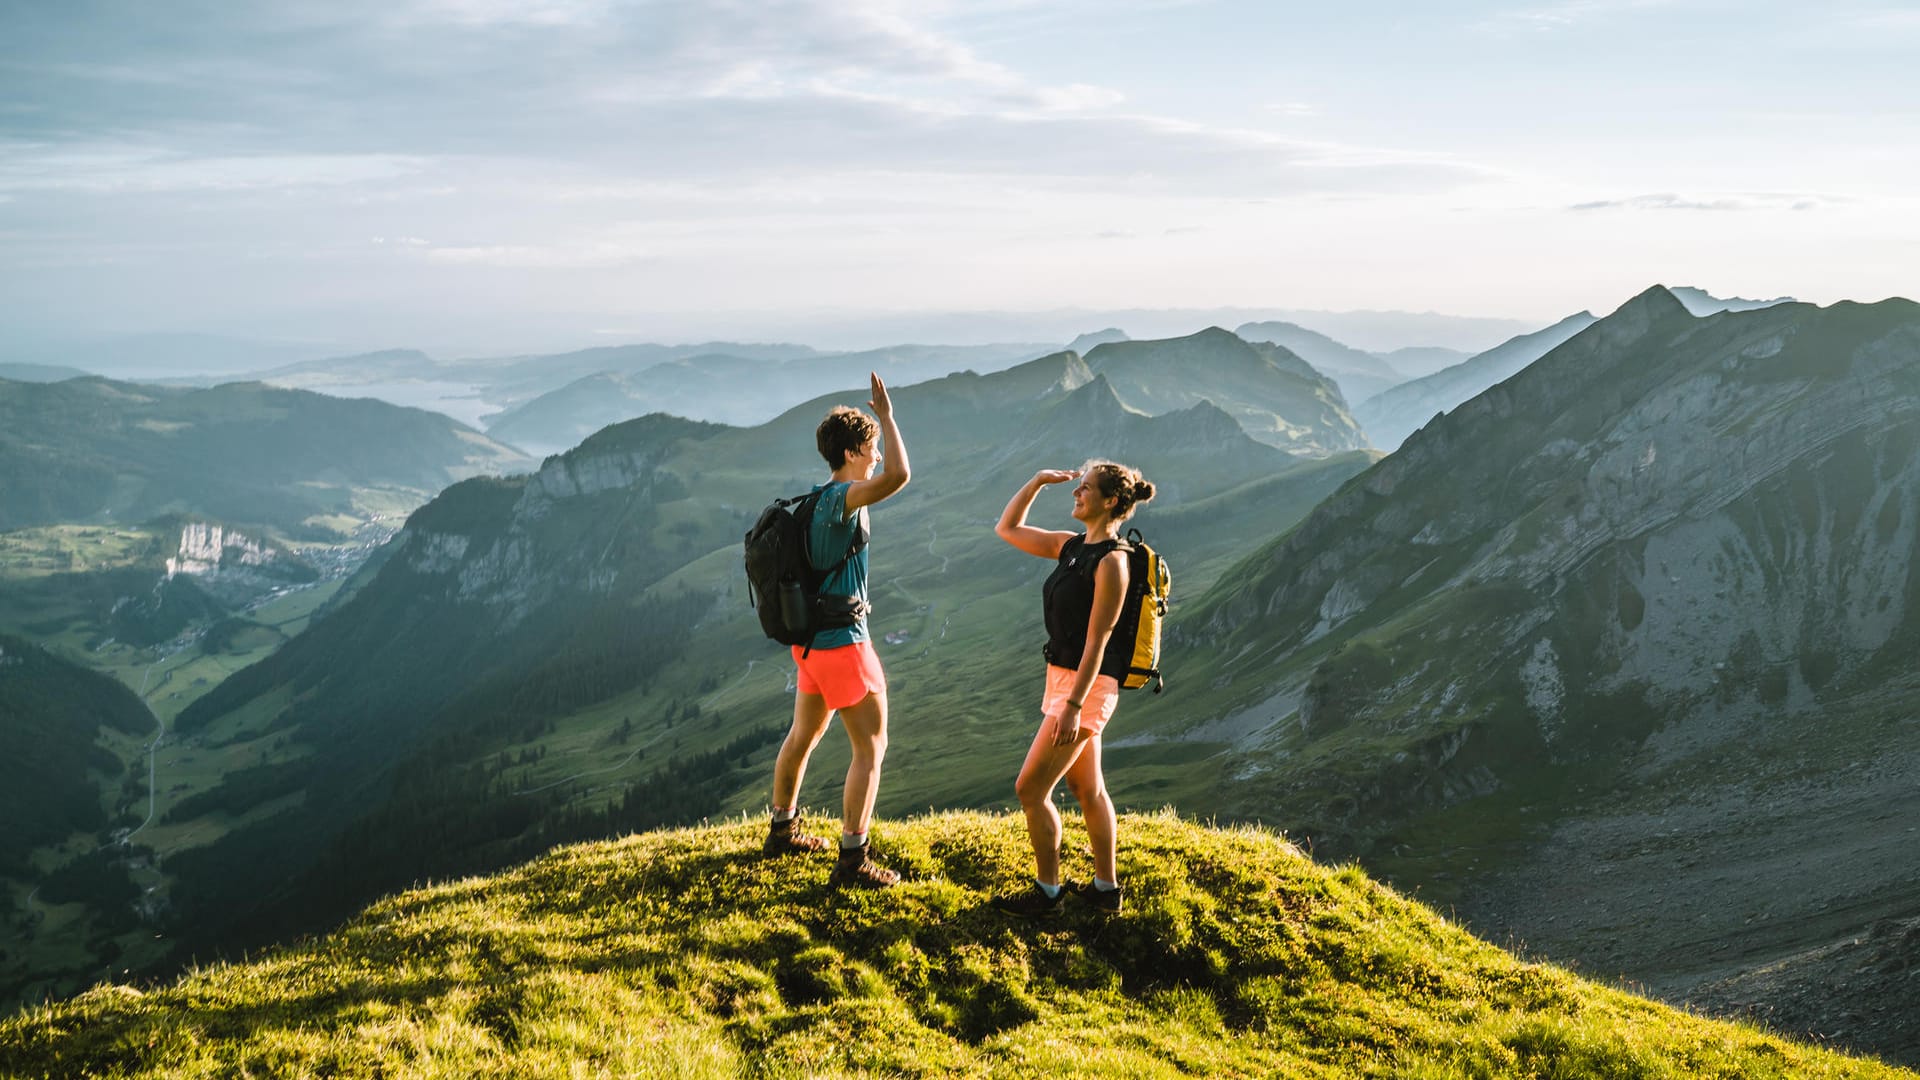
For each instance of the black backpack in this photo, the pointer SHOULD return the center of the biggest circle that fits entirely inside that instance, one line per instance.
(1143, 611)
(782, 584)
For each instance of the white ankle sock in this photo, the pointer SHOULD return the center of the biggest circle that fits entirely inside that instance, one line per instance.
(852, 840)
(785, 813)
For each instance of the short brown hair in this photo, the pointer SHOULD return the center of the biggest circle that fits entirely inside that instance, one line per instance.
(1121, 483)
(844, 431)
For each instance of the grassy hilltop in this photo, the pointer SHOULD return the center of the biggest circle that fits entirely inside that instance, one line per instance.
(684, 954)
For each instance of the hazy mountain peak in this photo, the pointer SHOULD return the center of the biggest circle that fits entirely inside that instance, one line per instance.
(1053, 373)
(1700, 302)
(1653, 301)
(1087, 342)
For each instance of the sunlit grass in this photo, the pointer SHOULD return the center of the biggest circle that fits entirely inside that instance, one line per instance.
(685, 954)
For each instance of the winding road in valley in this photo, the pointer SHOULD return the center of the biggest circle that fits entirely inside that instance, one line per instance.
(590, 772)
(153, 751)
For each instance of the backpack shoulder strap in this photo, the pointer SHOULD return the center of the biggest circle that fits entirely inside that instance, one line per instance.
(804, 515)
(1098, 551)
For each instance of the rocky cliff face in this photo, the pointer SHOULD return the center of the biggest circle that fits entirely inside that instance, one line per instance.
(1667, 541)
(512, 546)
(206, 548)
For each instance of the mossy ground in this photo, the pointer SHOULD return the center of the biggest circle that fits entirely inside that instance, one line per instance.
(686, 954)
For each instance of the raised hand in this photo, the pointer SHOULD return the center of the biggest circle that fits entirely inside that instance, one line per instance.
(1056, 476)
(879, 402)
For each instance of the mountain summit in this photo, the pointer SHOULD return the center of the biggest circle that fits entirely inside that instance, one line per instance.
(687, 954)
(1275, 395)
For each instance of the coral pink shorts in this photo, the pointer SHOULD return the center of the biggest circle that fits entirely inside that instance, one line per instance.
(844, 676)
(1095, 711)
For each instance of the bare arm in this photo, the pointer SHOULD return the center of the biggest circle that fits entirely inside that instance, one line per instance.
(1013, 527)
(894, 470)
(1109, 589)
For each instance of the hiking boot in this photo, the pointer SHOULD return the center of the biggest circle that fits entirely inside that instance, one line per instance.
(1105, 901)
(1029, 903)
(854, 868)
(785, 838)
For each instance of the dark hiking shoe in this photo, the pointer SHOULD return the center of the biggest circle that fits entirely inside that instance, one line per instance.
(1105, 901)
(785, 838)
(855, 869)
(1029, 903)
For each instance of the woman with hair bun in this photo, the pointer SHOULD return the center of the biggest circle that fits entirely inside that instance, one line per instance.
(1082, 599)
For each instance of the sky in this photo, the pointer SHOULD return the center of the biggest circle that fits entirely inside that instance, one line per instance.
(571, 172)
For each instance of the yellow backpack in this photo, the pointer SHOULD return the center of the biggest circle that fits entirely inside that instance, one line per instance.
(1149, 583)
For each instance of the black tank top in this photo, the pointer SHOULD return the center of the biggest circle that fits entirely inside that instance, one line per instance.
(1067, 599)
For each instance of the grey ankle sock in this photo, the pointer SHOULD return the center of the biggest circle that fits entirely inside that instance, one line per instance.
(1104, 886)
(787, 813)
(849, 841)
(1052, 891)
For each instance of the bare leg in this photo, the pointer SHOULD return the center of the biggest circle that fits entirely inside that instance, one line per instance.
(1045, 765)
(866, 724)
(1089, 787)
(810, 715)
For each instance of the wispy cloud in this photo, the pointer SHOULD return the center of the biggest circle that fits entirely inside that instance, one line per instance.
(1564, 14)
(592, 256)
(1744, 201)
(720, 92)
(1904, 19)
(121, 168)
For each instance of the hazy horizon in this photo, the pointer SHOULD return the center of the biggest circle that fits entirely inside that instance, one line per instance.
(556, 174)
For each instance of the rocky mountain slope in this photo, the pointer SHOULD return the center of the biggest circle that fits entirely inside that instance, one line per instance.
(1555, 656)
(687, 954)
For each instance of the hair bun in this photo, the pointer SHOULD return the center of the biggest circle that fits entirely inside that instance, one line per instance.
(1142, 491)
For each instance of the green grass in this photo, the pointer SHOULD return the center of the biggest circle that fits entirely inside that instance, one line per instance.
(27, 554)
(685, 954)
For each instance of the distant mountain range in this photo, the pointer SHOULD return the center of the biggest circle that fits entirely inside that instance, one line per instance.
(722, 387)
(95, 450)
(1701, 302)
(1389, 417)
(1416, 361)
(1360, 375)
(38, 373)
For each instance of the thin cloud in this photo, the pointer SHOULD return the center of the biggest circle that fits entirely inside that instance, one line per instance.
(1672, 201)
(716, 92)
(536, 256)
(1565, 14)
(123, 169)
